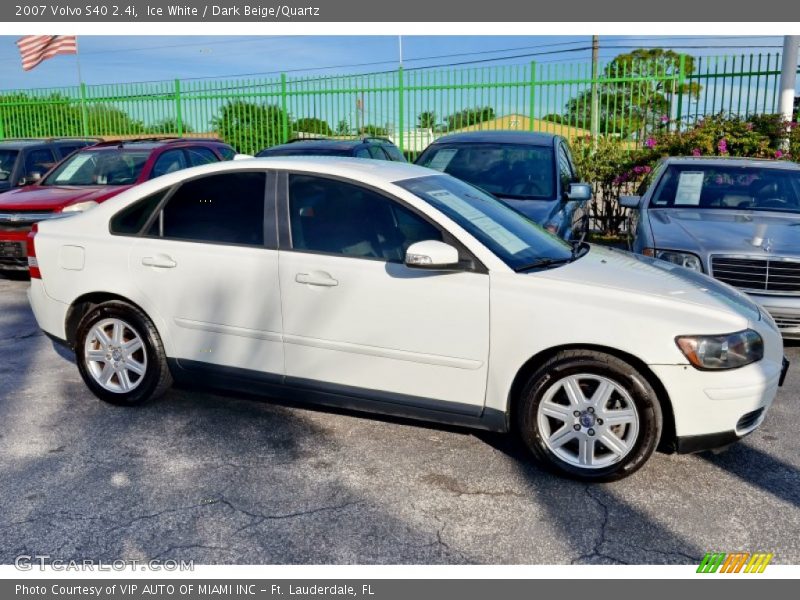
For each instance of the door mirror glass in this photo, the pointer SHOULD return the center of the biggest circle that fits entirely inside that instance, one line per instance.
(579, 192)
(431, 254)
(630, 201)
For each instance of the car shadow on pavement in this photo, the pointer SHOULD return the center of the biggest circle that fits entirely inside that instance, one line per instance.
(758, 468)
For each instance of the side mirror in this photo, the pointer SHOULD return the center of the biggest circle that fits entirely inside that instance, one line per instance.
(431, 254)
(579, 192)
(630, 201)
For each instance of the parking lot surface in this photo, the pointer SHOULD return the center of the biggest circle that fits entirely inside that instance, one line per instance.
(220, 478)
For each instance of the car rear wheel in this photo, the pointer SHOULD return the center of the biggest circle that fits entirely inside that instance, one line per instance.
(589, 415)
(120, 355)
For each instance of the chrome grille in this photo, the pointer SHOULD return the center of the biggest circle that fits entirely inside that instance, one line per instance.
(773, 275)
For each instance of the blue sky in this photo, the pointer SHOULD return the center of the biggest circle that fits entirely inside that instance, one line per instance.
(109, 59)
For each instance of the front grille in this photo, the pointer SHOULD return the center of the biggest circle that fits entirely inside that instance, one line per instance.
(772, 275)
(749, 420)
(787, 322)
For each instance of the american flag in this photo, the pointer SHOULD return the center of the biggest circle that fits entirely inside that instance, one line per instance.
(36, 48)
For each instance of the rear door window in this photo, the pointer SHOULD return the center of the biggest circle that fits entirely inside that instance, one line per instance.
(169, 162)
(199, 155)
(225, 208)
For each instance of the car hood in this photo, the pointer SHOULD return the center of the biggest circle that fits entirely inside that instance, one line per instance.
(538, 211)
(719, 230)
(55, 197)
(636, 274)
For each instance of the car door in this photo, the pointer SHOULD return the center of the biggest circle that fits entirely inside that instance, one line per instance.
(357, 320)
(209, 265)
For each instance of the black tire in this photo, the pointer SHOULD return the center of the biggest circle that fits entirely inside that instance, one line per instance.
(156, 378)
(589, 362)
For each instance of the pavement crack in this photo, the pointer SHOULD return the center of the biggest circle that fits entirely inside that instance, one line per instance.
(597, 551)
(259, 518)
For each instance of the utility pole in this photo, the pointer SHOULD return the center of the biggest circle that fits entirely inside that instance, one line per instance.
(595, 118)
(791, 44)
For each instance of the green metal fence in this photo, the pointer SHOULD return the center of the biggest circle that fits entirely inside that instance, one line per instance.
(412, 107)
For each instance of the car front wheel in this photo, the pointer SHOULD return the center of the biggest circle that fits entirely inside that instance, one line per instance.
(590, 416)
(120, 355)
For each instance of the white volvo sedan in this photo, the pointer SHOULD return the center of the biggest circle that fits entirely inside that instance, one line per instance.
(396, 289)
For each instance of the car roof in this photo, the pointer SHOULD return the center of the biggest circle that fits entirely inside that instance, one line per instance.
(319, 143)
(152, 144)
(531, 138)
(24, 142)
(728, 161)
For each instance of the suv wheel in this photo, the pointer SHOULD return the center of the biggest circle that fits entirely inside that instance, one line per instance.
(590, 416)
(120, 355)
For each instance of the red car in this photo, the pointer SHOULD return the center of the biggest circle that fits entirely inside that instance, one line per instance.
(89, 177)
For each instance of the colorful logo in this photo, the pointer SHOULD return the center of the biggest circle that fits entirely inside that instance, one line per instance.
(737, 562)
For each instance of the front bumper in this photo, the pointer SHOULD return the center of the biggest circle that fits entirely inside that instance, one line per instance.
(713, 409)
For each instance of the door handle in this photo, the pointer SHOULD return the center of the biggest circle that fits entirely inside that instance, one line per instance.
(322, 279)
(161, 261)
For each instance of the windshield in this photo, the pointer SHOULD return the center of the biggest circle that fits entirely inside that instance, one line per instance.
(728, 187)
(7, 160)
(99, 167)
(300, 151)
(507, 170)
(516, 240)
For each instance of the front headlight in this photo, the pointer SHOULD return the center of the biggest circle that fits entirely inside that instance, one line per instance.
(79, 206)
(727, 351)
(683, 259)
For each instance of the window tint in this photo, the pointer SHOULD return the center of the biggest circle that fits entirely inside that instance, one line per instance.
(169, 162)
(564, 168)
(516, 171)
(200, 156)
(362, 153)
(130, 220)
(376, 152)
(394, 153)
(67, 149)
(342, 218)
(227, 152)
(227, 208)
(39, 161)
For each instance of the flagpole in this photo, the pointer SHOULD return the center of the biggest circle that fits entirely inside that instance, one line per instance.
(82, 92)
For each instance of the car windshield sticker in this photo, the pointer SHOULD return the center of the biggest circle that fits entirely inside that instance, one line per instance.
(73, 166)
(690, 185)
(511, 243)
(441, 159)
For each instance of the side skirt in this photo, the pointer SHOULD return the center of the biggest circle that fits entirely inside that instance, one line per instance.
(309, 391)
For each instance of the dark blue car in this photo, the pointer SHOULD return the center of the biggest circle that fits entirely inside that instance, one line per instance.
(532, 172)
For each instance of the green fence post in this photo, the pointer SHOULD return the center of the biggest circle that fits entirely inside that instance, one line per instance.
(84, 112)
(2, 126)
(532, 96)
(178, 111)
(401, 116)
(681, 83)
(285, 110)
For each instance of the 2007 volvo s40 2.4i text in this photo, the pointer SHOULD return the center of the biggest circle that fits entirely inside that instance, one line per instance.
(397, 289)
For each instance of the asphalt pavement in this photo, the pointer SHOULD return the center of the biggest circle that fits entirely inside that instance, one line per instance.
(221, 478)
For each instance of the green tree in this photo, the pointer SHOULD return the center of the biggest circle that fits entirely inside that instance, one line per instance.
(343, 128)
(168, 126)
(249, 127)
(373, 130)
(641, 102)
(313, 125)
(104, 119)
(469, 116)
(426, 120)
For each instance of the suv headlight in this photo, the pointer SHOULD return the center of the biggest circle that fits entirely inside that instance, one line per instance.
(727, 351)
(683, 259)
(79, 206)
